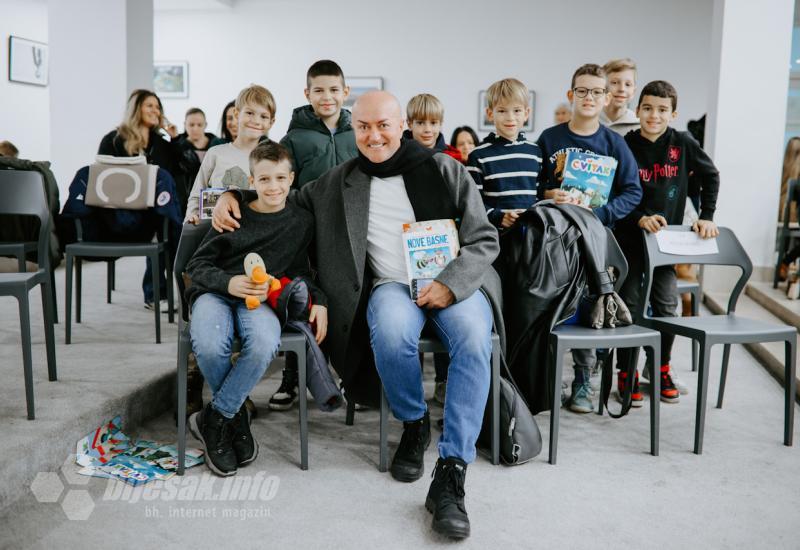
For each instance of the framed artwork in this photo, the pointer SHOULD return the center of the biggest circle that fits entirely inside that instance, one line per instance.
(486, 125)
(171, 78)
(27, 61)
(360, 85)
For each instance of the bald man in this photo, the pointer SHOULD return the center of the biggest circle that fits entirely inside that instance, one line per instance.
(359, 208)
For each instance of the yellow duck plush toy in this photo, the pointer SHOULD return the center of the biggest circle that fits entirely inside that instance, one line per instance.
(255, 269)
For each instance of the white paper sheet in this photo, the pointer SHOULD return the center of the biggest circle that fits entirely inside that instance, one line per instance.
(685, 243)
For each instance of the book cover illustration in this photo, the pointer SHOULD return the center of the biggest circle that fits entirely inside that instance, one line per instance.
(208, 200)
(428, 247)
(588, 178)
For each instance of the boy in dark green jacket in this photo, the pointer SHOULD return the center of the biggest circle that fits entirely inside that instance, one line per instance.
(320, 137)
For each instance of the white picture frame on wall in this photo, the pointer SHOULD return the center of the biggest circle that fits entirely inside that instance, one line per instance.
(486, 125)
(360, 85)
(27, 61)
(171, 78)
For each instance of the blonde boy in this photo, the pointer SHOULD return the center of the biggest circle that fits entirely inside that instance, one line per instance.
(617, 116)
(226, 165)
(506, 165)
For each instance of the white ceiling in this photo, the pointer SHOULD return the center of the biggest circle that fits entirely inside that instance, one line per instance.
(192, 5)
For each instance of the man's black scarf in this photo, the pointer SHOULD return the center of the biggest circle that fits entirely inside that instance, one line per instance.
(427, 191)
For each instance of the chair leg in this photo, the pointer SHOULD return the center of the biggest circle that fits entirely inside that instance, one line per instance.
(556, 366)
(183, 356)
(68, 301)
(170, 291)
(108, 281)
(53, 295)
(695, 313)
(156, 295)
(655, 403)
(702, 396)
(49, 337)
(78, 287)
(383, 462)
(351, 412)
(303, 394)
(495, 389)
(790, 387)
(27, 361)
(726, 354)
(113, 267)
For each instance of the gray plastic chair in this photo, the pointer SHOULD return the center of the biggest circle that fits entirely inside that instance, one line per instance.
(564, 337)
(23, 193)
(727, 329)
(785, 233)
(692, 288)
(291, 342)
(111, 251)
(20, 251)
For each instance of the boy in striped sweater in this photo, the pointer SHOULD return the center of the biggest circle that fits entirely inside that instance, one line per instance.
(505, 166)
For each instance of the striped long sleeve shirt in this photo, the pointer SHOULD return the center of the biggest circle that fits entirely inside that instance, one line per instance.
(506, 174)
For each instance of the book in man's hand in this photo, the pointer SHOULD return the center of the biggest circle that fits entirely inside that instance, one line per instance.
(428, 247)
(588, 178)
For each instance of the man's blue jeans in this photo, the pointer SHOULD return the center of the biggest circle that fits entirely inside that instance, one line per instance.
(465, 328)
(214, 320)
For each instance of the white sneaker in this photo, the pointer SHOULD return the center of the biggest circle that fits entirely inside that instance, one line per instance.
(681, 386)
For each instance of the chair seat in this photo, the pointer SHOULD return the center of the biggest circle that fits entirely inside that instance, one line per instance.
(633, 335)
(736, 329)
(17, 279)
(687, 286)
(112, 249)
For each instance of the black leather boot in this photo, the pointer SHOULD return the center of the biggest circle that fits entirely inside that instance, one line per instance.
(446, 498)
(408, 462)
(215, 432)
(244, 444)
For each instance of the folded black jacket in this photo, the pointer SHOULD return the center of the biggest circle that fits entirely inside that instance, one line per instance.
(560, 249)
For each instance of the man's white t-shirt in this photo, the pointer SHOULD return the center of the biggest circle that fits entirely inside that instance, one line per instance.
(389, 209)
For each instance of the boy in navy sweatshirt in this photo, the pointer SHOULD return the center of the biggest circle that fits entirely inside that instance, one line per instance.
(665, 158)
(588, 95)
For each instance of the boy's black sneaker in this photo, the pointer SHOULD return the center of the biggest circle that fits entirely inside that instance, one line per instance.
(214, 431)
(446, 498)
(408, 462)
(244, 444)
(286, 396)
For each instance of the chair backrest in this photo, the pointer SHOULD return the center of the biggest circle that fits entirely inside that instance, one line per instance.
(731, 253)
(616, 259)
(191, 237)
(23, 192)
(787, 207)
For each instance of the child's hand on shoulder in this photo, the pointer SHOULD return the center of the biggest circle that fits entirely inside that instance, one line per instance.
(319, 316)
(706, 229)
(194, 219)
(241, 286)
(652, 224)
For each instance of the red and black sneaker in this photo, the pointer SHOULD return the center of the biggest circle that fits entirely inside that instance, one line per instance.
(637, 399)
(669, 393)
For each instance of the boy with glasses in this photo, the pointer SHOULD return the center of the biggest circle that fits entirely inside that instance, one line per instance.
(588, 95)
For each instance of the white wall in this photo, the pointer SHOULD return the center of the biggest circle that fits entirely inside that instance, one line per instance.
(450, 50)
(24, 108)
(745, 127)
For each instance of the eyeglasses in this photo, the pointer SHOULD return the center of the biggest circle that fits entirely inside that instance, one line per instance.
(597, 93)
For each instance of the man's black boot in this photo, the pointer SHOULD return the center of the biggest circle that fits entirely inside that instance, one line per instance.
(446, 498)
(215, 431)
(408, 462)
(244, 444)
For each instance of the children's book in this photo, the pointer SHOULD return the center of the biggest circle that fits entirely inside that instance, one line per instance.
(208, 199)
(588, 178)
(429, 246)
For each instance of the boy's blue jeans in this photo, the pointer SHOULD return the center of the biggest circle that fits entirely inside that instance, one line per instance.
(215, 318)
(465, 328)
